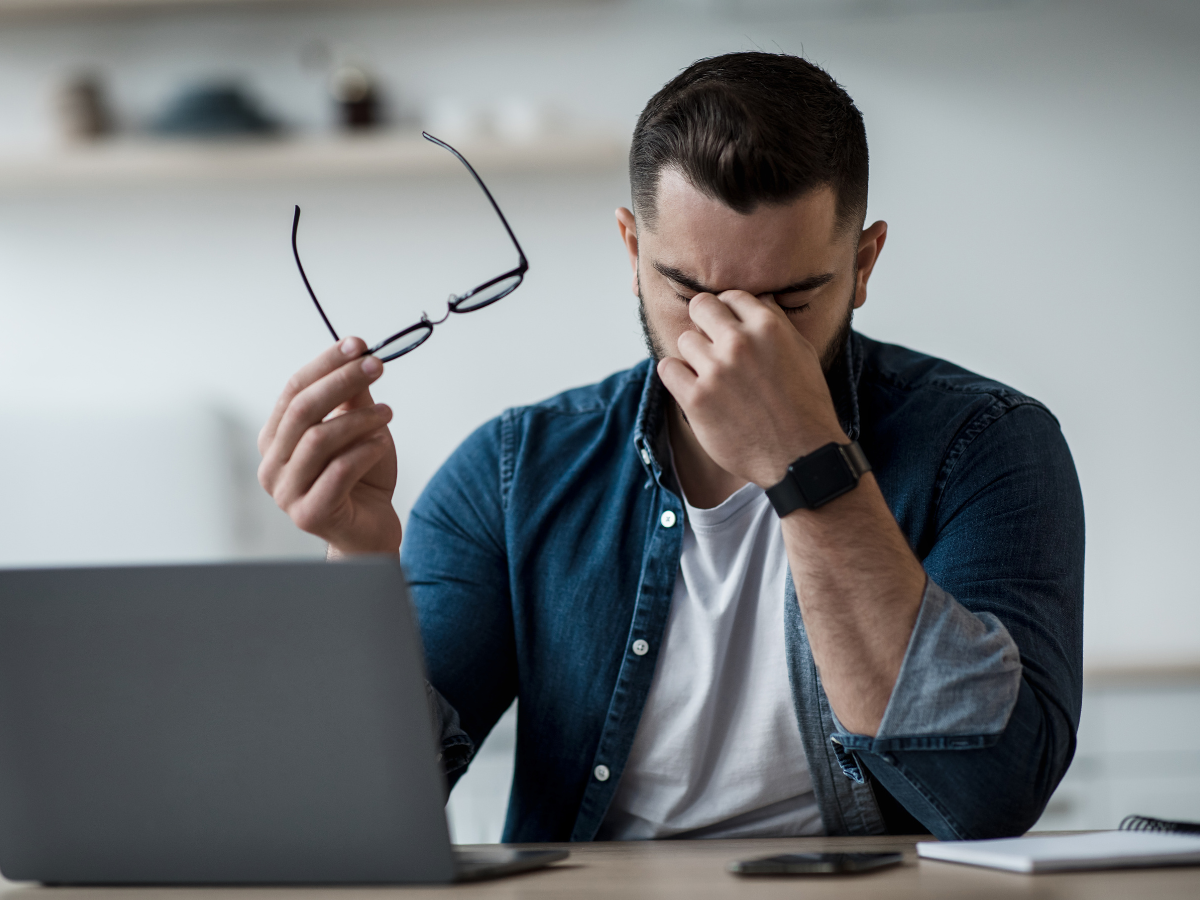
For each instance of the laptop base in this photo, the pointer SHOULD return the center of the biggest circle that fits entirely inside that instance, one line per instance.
(481, 865)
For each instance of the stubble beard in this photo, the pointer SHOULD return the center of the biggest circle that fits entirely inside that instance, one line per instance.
(654, 344)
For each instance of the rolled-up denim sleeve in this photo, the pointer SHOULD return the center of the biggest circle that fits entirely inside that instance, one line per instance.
(981, 723)
(960, 677)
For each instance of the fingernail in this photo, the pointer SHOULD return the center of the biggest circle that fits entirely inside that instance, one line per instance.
(372, 366)
(383, 409)
(350, 347)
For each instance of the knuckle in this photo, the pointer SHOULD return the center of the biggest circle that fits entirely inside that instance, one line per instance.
(294, 385)
(311, 441)
(266, 476)
(338, 469)
(304, 518)
(301, 407)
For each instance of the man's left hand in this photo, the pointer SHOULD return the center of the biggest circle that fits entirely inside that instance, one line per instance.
(751, 386)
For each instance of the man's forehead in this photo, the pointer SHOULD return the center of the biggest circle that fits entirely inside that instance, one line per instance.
(718, 246)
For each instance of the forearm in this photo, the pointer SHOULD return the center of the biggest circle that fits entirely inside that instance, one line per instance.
(859, 588)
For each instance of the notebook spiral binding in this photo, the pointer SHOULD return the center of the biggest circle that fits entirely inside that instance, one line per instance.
(1148, 823)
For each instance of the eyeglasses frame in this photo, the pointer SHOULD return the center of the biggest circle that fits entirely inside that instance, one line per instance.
(455, 301)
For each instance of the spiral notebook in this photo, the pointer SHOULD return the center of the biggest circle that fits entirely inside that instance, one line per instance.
(1140, 842)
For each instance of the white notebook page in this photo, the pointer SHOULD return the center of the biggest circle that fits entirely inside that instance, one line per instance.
(1057, 853)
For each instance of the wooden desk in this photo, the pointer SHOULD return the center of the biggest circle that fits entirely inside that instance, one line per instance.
(695, 870)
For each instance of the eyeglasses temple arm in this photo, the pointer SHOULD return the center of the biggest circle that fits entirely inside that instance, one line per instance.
(429, 137)
(300, 266)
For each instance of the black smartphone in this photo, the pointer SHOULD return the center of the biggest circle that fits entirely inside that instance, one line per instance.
(815, 863)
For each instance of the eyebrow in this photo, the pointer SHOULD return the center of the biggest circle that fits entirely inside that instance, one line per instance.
(684, 280)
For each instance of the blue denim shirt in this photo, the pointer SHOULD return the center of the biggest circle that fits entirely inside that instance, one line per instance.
(539, 553)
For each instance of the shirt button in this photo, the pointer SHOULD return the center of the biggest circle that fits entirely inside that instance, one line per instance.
(645, 456)
(668, 519)
(640, 647)
(601, 773)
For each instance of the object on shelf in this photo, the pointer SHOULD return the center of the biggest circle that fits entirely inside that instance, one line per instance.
(522, 119)
(455, 119)
(514, 120)
(83, 109)
(215, 110)
(357, 96)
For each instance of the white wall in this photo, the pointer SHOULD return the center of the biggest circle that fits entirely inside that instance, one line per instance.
(1035, 160)
(65, 498)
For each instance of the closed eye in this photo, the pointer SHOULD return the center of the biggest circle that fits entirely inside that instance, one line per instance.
(793, 310)
(677, 278)
(790, 310)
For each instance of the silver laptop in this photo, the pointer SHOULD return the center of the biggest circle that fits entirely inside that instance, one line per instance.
(261, 723)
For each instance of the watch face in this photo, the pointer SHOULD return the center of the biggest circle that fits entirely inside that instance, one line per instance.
(824, 475)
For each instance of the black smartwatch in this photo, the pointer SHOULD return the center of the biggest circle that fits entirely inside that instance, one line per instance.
(814, 480)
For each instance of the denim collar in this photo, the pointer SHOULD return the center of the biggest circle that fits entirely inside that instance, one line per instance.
(650, 437)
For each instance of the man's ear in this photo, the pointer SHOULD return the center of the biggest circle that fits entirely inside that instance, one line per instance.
(627, 225)
(870, 245)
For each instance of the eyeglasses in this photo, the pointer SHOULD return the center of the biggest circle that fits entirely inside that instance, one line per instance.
(412, 337)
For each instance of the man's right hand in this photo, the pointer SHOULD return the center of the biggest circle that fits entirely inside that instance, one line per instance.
(328, 457)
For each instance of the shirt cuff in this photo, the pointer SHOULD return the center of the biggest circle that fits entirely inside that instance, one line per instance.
(958, 683)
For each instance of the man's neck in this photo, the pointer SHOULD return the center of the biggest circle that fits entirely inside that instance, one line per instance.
(704, 483)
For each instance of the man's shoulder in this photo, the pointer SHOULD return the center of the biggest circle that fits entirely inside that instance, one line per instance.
(558, 423)
(621, 389)
(529, 445)
(934, 430)
(910, 377)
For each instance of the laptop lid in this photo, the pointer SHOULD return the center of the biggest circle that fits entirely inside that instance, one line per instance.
(208, 724)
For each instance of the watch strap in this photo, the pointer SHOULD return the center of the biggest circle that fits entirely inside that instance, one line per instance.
(823, 475)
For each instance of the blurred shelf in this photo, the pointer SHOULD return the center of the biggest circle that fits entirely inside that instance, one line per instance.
(61, 7)
(1143, 675)
(400, 155)
(27, 8)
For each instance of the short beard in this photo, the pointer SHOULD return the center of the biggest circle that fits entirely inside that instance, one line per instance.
(840, 339)
(654, 345)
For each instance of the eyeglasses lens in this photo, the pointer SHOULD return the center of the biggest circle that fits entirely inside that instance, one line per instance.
(407, 340)
(489, 294)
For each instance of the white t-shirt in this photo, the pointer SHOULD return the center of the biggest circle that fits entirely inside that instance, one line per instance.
(718, 751)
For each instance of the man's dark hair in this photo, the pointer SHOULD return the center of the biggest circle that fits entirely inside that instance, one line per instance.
(749, 129)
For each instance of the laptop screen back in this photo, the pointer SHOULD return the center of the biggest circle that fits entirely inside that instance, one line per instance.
(251, 723)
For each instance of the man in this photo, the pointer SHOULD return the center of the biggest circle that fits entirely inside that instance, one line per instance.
(718, 619)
